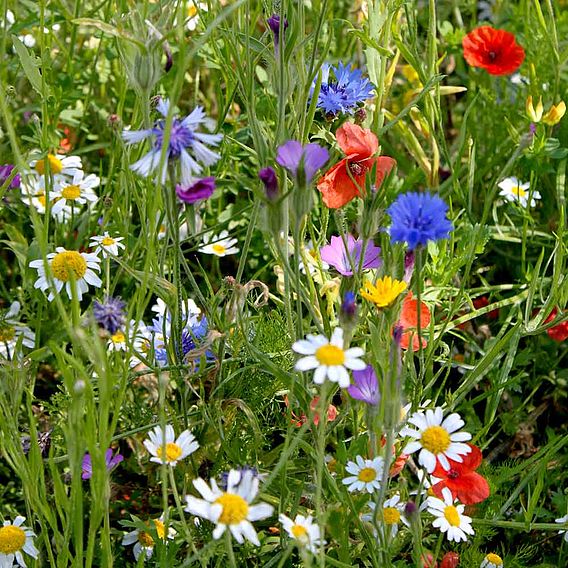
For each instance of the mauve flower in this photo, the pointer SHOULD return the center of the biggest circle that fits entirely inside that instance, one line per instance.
(111, 463)
(274, 24)
(365, 387)
(268, 178)
(5, 173)
(199, 190)
(337, 256)
(298, 159)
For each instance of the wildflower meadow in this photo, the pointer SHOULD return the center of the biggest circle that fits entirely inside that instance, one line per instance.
(283, 283)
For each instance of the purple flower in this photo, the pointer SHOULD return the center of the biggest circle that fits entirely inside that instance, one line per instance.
(111, 463)
(298, 159)
(336, 255)
(109, 314)
(366, 386)
(5, 173)
(199, 190)
(274, 25)
(270, 181)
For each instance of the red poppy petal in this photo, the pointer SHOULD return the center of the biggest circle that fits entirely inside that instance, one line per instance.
(471, 488)
(384, 166)
(357, 143)
(337, 188)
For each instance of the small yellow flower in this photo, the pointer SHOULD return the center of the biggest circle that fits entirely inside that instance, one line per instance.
(384, 292)
(555, 114)
(535, 114)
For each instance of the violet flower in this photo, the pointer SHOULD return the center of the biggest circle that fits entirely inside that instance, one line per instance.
(111, 463)
(366, 386)
(268, 178)
(198, 190)
(302, 161)
(5, 173)
(274, 24)
(337, 256)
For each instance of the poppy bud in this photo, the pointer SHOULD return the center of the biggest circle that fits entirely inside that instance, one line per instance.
(450, 560)
(427, 560)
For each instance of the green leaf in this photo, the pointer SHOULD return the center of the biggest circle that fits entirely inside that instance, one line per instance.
(29, 65)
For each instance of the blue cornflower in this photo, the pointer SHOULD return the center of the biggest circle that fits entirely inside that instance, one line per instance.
(418, 218)
(185, 145)
(343, 94)
(109, 314)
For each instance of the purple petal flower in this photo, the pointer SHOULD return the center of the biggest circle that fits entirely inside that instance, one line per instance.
(366, 386)
(111, 462)
(336, 255)
(5, 173)
(270, 181)
(295, 158)
(110, 313)
(274, 24)
(199, 190)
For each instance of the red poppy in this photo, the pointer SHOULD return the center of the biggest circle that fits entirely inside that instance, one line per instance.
(344, 181)
(558, 332)
(409, 322)
(483, 302)
(450, 560)
(461, 479)
(496, 51)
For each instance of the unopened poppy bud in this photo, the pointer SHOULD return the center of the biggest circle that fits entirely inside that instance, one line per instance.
(270, 180)
(428, 561)
(450, 560)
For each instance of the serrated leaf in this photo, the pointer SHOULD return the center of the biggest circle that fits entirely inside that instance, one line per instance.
(29, 65)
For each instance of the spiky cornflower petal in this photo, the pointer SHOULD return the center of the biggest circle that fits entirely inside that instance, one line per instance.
(110, 313)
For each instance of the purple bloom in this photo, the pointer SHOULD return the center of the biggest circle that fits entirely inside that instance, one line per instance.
(418, 218)
(5, 173)
(111, 463)
(270, 181)
(298, 159)
(366, 386)
(336, 255)
(274, 25)
(199, 190)
(109, 314)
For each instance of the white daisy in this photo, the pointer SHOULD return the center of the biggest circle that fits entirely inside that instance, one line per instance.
(563, 520)
(436, 438)
(188, 308)
(58, 165)
(12, 330)
(65, 265)
(166, 449)
(33, 194)
(117, 341)
(141, 339)
(492, 560)
(328, 358)
(219, 245)
(230, 509)
(304, 531)
(77, 191)
(107, 245)
(193, 11)
(449, 517)
(15, 539)
(144, 541)
(513, 190)
(311, 253)
(393, 511)
(365, 475)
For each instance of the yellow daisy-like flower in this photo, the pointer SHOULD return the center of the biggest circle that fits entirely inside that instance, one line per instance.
(384, 292)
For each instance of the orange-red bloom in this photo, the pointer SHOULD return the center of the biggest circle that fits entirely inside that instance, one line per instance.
(558, 332)
(409, 322)
(461, 479)
(344, 181)
(298, 421)
(496, 51)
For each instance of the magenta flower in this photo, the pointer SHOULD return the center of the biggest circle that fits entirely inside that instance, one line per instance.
(337, 256)
(366, 386)
(111, 463)
(198, 190)
(299, 159)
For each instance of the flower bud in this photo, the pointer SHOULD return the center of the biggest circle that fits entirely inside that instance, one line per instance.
(450, 560)
(270, 181)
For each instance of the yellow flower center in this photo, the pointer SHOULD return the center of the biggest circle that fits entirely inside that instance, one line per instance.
(145, 539)
(118, 337)
(65, 263)
(71, 192)
(107, 241)
(367, 474)
(300, 532)
(235, 509)
(160, 528)
(41, 198)
(452, 515)
(494, 559)
(218, 249)
(7, 334)
(519, 191)
(55, 165)
(12, 539)
(384, 292)
(191, 11)
(330, 355)
(435, 439)
(170, 453)
(391, 516)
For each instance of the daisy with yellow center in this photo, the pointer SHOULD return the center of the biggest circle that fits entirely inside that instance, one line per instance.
(437, 438)
(166, 449)
(68, 267)
(365, 475)
(193, 11)
(492, 560)
(303, 531)
(514, 190)
(117, 341)
(107, 245)
(58, 165)
(144, 542)
(12, 332)
(393, 511)
(230, 509)
(384, 292)
(219, 245)
(15, 539)
(34, 194)
(449, 517)
(75, 192)
(329, 358)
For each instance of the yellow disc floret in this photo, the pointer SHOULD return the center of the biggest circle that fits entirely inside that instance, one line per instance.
(367, 474)
(435, 439)
(107, 241)
(118, 337)
(219, 249)
(55, 165)
(170, 453)
(391, 516)
(519, 191)
(452, 515)
(330, 355)
(71, 192)
(494, 559)
(7, 334)
(12, 539)
(66, 263)
(145, 539)
(235, 509)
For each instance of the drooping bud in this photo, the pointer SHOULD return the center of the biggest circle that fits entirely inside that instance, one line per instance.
(274, 25)
(270, 180)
